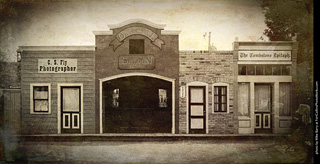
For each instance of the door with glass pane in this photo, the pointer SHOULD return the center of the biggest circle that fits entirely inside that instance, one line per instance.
(197, 109)
(263, 108)
(70, 109)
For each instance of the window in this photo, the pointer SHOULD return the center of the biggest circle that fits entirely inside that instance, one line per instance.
(242, 70)
(40, 99)
(243, 99)
(285, 99)
(220, 98)
(259, 70)
(136, 46)
(276, 70)
(285, 70)
(250, 70)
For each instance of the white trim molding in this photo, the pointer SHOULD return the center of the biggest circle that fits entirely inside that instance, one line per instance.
(197, 83)
(109, 32)
(143, 21)
(170, 32)
(139, 74)
(56, 48)
(64, 120)
(31, 97)
(228, 101)
(59, 85)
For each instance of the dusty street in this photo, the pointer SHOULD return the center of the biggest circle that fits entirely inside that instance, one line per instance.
(187, 151)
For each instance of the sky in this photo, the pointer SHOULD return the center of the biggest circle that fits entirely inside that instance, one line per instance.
(71, 22)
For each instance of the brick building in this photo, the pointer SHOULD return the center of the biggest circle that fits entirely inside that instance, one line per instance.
(135, 80)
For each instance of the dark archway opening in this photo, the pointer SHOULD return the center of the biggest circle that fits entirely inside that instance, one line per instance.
(137, 104)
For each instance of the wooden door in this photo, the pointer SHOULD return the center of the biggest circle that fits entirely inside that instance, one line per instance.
(197, 110)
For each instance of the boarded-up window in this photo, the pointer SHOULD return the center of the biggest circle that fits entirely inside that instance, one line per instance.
(285, 99)
(243, 99)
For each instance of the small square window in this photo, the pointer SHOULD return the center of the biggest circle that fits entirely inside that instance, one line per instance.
(40, 99)
(276, 70)
(250, 69)
(136, 46)
(286, 70)
(242, 70)
(268, 70)
(259, 70)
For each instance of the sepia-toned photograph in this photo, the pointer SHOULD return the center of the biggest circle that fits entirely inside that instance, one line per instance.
(158, 81)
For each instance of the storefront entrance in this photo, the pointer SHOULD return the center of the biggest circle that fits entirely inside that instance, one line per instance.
(137, 104)
(197, 109)
(263, 108)
(70, 109)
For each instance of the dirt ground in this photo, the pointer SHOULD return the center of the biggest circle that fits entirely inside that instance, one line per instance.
(189, 151)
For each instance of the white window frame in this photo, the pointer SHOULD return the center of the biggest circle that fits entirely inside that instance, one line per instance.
(73, 116)
(228, 101)
(264, 122)
(64, 120)
(31, 97)
(255, 120)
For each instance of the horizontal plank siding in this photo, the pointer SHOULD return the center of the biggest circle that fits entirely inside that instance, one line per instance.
(48, 123)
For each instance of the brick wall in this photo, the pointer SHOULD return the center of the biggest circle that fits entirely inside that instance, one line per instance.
(208, 67)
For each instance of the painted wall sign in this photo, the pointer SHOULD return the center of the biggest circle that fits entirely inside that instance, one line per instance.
(57, 66)
(136, 31)
(265, 55)
(132, 62)
(183, 91)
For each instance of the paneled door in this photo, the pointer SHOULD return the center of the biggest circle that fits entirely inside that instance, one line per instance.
(263, 108)
(70, 109)
(197, 110)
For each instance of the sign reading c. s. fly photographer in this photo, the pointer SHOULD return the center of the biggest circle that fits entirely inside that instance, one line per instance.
(57, 66)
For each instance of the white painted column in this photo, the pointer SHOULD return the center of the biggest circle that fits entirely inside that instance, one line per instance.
(252, 116)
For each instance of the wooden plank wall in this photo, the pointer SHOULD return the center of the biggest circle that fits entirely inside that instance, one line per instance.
(12, 107)
(47, 123)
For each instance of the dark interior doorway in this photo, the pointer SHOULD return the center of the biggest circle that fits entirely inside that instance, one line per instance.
(137, 104)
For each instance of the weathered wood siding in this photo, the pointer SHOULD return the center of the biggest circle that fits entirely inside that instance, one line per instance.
(11, 111)
(48, 123)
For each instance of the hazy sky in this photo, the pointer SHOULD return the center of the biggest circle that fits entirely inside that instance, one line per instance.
(64, 22)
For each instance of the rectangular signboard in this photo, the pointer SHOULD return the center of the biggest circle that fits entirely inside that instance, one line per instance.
(136, 62)
(265, 55)
(57, 66)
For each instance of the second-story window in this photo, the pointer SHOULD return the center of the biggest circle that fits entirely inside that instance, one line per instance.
(136, 46)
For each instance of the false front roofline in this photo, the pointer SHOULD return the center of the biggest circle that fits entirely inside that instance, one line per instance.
(143, 21)
(55, 48)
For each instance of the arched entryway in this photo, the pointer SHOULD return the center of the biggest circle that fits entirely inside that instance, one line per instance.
(137, 103)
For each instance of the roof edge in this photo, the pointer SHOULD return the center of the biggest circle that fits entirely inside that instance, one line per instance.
(143, 21)
(55, 48)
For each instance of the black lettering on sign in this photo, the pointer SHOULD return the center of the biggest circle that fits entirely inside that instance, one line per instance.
(136, 62)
